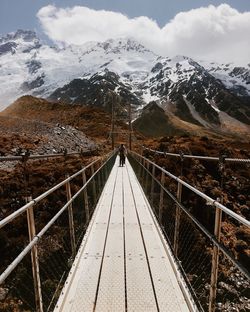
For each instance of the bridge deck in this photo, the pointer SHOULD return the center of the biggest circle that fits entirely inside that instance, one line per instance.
(123, 263)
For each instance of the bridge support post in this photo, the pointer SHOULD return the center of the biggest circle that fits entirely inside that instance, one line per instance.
(93, 183)
(101, 175)
(105, 173)
(140, 160)
(161, 197)
(71, 220)
(215, 261)
(34, 258)
(152, 185)
(143, 169)
(130, 127)
(99, 182)
(147, 176)
(177, 220)
(85, 196)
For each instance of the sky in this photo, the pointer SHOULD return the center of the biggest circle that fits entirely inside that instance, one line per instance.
(215, 30)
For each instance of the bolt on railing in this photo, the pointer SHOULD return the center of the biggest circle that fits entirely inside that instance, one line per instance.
(195, 247)
(48, 242)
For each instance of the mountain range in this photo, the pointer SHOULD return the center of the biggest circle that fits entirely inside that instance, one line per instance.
(200, 93)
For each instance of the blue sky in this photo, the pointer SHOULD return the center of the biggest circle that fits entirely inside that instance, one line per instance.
(16, 14)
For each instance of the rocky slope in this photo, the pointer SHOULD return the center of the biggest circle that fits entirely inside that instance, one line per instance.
(208, 94)
(46, 128)
(153, 122)
(93, 122)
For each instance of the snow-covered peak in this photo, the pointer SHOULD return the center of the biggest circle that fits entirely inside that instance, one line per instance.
(39, 69)
(28, 66)
(115, 47)
(20, 41)
(180, 58)
(25, 35)
(236, 78)
(122, 45)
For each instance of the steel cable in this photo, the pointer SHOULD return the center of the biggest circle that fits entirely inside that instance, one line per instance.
(241, 160)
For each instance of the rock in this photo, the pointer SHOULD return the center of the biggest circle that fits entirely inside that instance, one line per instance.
(233, 292)
(244, 210)
(3, 293)
(246, 293)
(7, 47)
(241, 198)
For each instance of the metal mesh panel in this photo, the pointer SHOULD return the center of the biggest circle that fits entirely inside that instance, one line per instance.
(17, 291)
(55, 258)
(55, 247)
(190, 235)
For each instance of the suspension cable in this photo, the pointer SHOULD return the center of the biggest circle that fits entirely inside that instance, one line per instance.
(242, 160)
(208, 199)
(28, 156)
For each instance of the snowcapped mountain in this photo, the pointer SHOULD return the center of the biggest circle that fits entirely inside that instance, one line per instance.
(235, 78)
(198, 92)
(29, 67)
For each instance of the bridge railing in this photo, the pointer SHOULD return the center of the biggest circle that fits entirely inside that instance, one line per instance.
(25, 155)
(200, 157)
(39, 241)
(213, 268)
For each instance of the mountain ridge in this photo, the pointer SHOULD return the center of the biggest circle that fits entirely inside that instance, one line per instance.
(202, 92)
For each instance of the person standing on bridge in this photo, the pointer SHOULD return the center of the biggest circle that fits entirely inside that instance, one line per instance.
(122, 153)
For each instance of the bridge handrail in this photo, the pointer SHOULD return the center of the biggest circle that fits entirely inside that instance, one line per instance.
(34, 241)
(202, 228)
(242, 160)
(42, 156)
(34, 201)
(208, 199)
(175, 226)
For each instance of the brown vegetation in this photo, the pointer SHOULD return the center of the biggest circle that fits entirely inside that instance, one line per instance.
(94, 122)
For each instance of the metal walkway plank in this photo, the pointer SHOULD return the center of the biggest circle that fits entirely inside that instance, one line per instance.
(168, 292)
(140, 296)
(124, 263)
(111, 293)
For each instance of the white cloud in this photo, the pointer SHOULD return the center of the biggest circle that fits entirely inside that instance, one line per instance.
(216, 33)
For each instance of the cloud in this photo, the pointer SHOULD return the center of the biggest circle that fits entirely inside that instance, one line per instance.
(215, 33)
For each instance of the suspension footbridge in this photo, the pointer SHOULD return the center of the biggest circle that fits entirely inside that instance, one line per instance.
(122, 241)
(123, 262)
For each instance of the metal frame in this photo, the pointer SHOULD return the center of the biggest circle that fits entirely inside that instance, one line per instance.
(34, 238)
(71, 220)
(42, 196)
(34, 260)
(208, 199)
(218, 247)
(145, 166)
